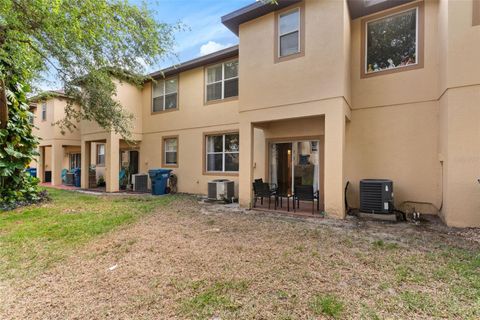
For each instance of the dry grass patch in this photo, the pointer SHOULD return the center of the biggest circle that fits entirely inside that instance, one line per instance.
(195, 261)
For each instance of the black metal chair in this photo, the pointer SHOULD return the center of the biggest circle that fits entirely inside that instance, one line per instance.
(306, 193)
(262, 190)
(282, 192)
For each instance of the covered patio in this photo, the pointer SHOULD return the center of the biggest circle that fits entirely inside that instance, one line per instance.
(297, 153)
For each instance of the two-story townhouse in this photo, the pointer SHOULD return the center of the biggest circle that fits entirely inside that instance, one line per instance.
(57, 150)
(319, 92)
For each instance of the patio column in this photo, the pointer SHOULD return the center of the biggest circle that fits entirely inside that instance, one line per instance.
(41, 164)
(57, 164)
(245, 177)
(85, 163)
(334, 162)
(112, 165)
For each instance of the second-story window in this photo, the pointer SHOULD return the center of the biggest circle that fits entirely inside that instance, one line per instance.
(392, 41)
(222, 81)
(44, 111)
(289, 33)
(165, 95)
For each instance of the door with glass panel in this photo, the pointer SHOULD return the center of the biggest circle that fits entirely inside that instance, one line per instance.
(294, 163)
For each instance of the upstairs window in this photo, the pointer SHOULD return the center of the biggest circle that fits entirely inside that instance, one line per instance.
(289, 33)
(221, 81)
(393, 41)
(165, 95)
(44, 111)
(222, 152)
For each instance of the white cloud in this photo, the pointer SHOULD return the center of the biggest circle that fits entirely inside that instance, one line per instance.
(212, 46)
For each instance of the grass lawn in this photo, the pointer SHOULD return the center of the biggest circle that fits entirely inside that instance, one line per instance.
(188, 260)
(33, 238)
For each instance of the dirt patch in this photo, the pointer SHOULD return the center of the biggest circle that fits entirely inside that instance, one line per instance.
(198, 261)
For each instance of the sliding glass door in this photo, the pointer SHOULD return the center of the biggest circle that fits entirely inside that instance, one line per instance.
(294, 163)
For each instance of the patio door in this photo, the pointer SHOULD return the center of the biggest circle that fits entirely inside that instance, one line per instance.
(294, 163)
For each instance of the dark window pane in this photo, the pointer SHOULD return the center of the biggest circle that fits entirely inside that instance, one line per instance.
(231, 162)
(214, 91)
(215, 144)
(231, 88)
(214, 162)
(231, 143)
(170, 157)
(392, 41)
(158, 104)
(231, 69)
(171, 101)
(289, 44)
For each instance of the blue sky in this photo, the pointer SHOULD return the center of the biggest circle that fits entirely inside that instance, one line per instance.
(205, 32)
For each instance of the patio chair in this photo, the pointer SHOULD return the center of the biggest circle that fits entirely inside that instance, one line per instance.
(262, 190)
(306, 193)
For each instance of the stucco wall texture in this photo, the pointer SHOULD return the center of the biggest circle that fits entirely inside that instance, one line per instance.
(420, 128)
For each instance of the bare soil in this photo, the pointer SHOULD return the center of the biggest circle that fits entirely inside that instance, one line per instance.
(200, 261)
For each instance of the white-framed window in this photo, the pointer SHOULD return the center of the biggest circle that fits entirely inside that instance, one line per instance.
(222, 152)
(75, 159)
(165, 95)
(221, 81)
(44, 111)
(100, 154)
(289, 33)
(170, 155)
(392, 41)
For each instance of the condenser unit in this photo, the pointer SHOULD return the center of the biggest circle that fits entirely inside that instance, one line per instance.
(221, 189)
(140, 182)
(376, 196)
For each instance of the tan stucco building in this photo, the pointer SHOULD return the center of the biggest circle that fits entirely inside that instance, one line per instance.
(318, 92)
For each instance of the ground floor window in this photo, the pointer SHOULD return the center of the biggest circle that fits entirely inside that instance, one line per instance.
(222, 152)
(74, 160)
(170, 151)
(101, 155)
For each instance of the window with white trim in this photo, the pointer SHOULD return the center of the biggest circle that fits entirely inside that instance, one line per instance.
(165, 95)
(289, 33)
(44, 111)
(170, 154)
(101, 154)
(221, 81)
(222, 152)
(391, 41)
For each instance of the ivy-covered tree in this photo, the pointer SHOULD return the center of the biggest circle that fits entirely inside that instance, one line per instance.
(86, 44)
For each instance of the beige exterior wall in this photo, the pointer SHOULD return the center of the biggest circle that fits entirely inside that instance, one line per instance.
(190, 122)
(419, 127)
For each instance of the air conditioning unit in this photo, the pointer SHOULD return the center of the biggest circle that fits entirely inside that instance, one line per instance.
(140, 182)
(221, 189)
(376, 196)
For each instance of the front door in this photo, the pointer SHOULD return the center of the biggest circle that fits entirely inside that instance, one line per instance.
(294, 163)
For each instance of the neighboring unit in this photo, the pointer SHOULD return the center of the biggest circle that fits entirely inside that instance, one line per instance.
(319, 93)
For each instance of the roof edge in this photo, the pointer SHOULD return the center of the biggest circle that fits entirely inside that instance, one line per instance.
(226, 53)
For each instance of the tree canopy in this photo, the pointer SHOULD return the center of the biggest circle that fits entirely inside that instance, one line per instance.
(86, 44)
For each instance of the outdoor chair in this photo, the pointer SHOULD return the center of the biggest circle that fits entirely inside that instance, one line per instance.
(282, 192)
(262, 190)
(306, 193)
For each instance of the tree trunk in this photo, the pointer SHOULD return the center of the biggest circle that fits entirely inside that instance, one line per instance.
(3, 106)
